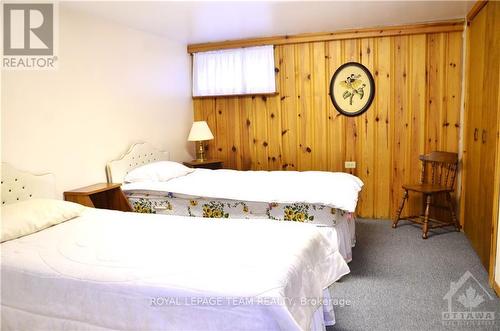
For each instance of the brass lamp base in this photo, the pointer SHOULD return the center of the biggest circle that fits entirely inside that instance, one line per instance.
(200, 151)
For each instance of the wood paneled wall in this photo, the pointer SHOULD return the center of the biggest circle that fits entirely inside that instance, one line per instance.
(416, 109)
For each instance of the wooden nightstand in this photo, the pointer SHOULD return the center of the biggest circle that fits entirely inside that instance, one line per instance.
(207, 164)
(102, 195)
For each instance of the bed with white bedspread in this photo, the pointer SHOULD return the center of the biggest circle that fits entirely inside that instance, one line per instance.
(109, 270)
(154, 185)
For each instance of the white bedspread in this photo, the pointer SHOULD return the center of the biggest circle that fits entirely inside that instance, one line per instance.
(113, 270)
(335, 189)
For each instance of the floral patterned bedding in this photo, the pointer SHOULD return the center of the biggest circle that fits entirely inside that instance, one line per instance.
(171, 204)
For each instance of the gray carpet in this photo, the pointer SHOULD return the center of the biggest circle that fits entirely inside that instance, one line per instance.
(398, 281)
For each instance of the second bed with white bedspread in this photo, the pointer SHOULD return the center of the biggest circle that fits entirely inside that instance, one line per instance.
(111, 270)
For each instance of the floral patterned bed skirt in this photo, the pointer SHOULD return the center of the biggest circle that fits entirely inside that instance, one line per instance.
(170, 204)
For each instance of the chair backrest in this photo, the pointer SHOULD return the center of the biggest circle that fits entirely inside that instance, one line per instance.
(439, 168)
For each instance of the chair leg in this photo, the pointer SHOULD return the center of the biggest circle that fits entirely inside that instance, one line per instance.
(425, 228)
(452, 211)
(398, 213)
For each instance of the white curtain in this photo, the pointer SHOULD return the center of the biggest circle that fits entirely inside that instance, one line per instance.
(234, 71)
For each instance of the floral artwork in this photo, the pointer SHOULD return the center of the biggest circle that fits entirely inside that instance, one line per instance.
(352, 89)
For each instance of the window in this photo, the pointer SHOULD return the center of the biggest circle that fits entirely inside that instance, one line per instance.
(234, 71)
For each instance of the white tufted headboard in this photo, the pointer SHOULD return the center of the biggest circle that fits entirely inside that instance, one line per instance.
(18, 185)
(137, 155)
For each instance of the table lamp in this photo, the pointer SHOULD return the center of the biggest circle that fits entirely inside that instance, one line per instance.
(199, 133)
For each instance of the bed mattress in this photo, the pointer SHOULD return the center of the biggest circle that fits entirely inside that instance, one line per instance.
(333, 189)
(109, 270)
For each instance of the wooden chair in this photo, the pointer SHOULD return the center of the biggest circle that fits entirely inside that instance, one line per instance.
(443, 167)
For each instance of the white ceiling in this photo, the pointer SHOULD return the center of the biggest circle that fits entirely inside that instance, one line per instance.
(207, 21)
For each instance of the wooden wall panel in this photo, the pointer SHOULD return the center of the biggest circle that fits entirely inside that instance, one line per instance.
(335, 140)
(221, 119)
(417, 104)
(305, 120)
(383, 127)
(400, 113)
(453, 83)
(416, 109)
(435, 56)
(274, 124)
(233, 140)
(319, 100)
(351, 54)
(247, 148)
(288, 98)
(260, 132)
(366, 146)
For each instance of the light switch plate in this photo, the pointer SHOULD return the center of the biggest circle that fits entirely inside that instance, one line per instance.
(350, 164)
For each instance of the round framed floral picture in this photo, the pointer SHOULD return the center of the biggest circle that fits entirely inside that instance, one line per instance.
(352, 89)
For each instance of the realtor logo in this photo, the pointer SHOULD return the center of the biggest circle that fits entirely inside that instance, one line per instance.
(28, 29)
(28, 36)
(468, 303)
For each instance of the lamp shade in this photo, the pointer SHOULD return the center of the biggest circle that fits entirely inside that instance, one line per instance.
(200, 131)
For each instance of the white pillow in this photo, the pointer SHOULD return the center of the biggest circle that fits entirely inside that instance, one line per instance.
(161, 171)
(29, 216)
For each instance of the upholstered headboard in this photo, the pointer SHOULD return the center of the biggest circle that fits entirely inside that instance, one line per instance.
(18, 185)
(137, 155)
